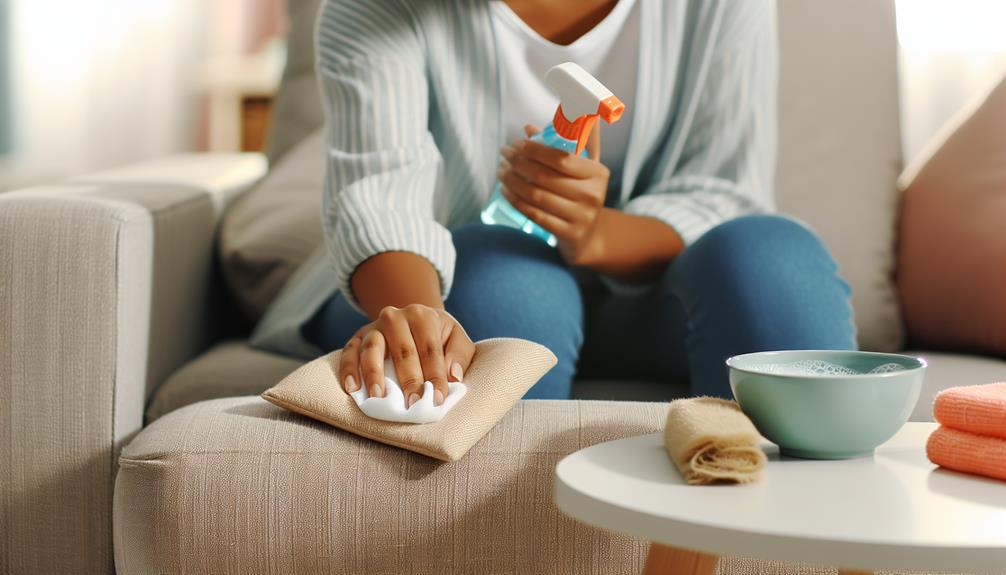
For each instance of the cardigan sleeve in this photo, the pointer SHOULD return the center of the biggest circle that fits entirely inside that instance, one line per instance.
(382, 163)
(720, 156)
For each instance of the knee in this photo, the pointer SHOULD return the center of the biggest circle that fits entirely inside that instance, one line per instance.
(759, 246)
(767, 280)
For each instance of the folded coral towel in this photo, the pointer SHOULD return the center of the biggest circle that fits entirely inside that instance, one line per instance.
(968, 452)
(710, 439)
(979, 409)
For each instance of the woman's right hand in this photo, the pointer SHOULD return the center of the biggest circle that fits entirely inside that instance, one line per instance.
(425, 344)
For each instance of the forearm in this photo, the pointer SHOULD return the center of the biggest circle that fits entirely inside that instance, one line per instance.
(396, 279)
(631, 248)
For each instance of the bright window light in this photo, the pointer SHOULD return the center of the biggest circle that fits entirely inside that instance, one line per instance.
(952, 25)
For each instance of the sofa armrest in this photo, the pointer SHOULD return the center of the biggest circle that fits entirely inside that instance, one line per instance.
(179, 509)
(104, 284)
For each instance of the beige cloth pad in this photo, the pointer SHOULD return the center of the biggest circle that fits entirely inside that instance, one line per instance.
(501, 372)
(710, 439)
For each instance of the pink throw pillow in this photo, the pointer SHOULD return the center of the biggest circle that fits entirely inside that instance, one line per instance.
(952, 253)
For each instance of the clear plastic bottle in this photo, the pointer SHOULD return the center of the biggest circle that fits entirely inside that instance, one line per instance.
(499, 211)
(582, 98)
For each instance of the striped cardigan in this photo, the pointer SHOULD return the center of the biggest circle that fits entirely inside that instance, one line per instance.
(412, 97)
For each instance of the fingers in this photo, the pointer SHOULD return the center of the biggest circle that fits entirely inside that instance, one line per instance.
(372, 362)
(531, 129)
(458, 353)
(542, 176)
(425, 325)
(349, 363)
(550, 222)
(401, 348)
(552, 203)
(571, 165)
(416, 338)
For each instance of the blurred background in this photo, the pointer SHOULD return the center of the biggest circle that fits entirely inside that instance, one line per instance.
(86, 85)
(89, 84)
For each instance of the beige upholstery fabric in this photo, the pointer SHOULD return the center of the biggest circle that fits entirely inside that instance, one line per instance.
(501, 372)
(268, 233)
(58, 410)
(229, 369)
(241, 486)
(839, 145)
(82, 344)
(185, 195)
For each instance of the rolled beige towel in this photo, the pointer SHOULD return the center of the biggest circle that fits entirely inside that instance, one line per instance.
(710, 439)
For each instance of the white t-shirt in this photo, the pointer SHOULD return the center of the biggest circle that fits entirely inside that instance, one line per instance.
(609, 51)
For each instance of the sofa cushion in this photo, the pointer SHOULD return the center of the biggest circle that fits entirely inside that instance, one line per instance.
(840, 147)
(952, 257)
(230, 368)
(272, 229)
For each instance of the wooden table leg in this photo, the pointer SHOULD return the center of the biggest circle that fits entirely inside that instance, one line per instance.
(664, 560)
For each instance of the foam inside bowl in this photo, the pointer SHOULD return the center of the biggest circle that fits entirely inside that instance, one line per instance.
(820, 367)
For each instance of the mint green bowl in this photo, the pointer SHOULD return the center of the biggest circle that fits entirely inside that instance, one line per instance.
(817, 414)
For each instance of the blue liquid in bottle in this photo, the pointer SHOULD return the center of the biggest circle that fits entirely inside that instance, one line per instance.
(499, 211)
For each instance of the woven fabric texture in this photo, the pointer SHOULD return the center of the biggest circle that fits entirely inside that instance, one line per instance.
(241, 486)
(967, 452)
(710, 439)
(103, 293)
(501, 372)
(978, 409)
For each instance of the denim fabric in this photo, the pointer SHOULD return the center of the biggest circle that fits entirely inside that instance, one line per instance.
(754, 283)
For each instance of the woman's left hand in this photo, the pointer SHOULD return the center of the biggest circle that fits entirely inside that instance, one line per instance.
(561, 192)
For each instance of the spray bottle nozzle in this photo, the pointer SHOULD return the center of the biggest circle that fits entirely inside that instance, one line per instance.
(582, 98)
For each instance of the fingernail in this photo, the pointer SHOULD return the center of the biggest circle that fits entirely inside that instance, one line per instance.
(351, 384)
(456, 371)
(413, 398)
(438, 398)
(375, 391)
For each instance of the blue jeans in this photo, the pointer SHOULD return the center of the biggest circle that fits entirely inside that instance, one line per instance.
(754, 283)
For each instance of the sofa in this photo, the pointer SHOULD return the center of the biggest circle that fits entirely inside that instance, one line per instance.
(134, 437)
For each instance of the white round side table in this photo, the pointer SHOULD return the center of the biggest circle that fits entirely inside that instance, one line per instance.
(895, 510)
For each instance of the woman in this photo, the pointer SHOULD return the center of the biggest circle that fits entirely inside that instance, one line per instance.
(667, 261)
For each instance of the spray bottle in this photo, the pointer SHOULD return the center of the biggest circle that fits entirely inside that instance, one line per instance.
(582, 98)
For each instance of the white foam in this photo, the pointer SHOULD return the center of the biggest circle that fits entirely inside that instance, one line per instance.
(821, 367)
